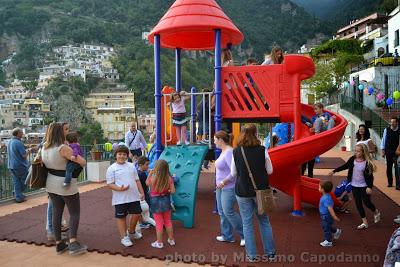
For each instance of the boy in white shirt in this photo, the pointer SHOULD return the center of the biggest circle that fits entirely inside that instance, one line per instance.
(127, 192)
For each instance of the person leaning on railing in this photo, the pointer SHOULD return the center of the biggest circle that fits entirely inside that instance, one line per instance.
(18, 164)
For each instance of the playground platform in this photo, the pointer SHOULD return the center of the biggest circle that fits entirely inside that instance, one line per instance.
(293, 235)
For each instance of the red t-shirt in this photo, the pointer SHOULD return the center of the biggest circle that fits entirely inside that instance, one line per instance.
(156, 193)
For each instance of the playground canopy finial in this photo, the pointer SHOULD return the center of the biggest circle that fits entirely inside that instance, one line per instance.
(190, 25)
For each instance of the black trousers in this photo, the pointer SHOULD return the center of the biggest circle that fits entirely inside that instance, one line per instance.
(361, 197)
(309, 165)
(73, 205)
(390, 160)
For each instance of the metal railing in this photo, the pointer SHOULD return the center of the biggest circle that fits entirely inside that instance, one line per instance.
(6, 184)
(194, 124)
(364, 113)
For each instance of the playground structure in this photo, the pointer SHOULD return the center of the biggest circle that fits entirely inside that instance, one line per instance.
(242, 94)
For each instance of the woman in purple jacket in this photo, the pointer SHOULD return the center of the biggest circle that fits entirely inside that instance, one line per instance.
(225, 190)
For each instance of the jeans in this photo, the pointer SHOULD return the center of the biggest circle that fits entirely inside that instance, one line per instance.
(327, 227)
(230, 220)
(72, 169)
(49, 225)
(247, 207)
(19, 176)
(320, 126)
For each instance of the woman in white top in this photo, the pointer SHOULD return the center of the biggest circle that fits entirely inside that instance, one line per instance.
(276, 57)
(55, 155)
(363, 136)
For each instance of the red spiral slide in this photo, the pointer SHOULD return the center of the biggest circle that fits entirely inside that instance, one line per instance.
(272, 93)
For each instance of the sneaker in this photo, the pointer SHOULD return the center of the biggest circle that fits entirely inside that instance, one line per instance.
(362, 226)
(337, 234)
(220, 238)
(377, 217)
(178, 143)
(249, 259)
(157, 245)
(126, 241)
(397, 220)
(75, 248)
(242, 243)
(171, 242)
(135, 235)
(61, 247)
(144, 226)
(66, 184)
(271, 257)
(326, 243)
(187, 143)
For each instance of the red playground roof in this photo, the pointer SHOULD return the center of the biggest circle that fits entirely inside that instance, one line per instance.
(190, 24)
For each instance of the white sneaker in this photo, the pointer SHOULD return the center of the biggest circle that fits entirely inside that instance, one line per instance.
(242, 243)
(337, 234)
(187, 143)
(326, 243)
(221, 238)
(178, 143)
(171, 242)
(362, 226)
(377, 217)
(157, 245)
(126, 241)
(135, 235)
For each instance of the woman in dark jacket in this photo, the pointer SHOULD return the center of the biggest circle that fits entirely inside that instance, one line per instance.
(361, 177)
(260, 166)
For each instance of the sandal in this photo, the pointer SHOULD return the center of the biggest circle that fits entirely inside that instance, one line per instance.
(362, 226)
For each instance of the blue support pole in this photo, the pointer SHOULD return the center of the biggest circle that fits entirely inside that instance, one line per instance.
(157, 89)
(218, 90)
(178, 69)
(193, 114)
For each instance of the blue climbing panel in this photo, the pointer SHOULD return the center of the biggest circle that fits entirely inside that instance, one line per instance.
(185, 162)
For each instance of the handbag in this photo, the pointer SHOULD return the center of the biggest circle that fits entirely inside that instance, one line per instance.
(38, 174)
(265, 199)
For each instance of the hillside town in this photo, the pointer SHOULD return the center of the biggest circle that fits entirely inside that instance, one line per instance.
(207, 132)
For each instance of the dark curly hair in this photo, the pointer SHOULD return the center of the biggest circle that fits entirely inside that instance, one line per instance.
(367, 134)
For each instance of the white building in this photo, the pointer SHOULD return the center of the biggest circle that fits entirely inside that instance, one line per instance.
(393, 29)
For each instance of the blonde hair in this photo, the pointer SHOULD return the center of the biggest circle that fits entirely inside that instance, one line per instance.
(160, 176)
(274, 57)
(367, 157)
(226, 56)
(54, 135)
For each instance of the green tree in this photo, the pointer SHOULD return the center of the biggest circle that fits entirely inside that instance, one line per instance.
(3, 77)
(30, 85)
(323, 81)
(89, 132)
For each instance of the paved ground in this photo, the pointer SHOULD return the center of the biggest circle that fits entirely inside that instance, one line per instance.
(13, 254)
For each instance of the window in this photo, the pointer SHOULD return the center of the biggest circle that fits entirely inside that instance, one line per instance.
(396, 38)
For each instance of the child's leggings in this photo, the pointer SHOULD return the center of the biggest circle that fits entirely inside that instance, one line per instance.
(361, 196)
(162, 219)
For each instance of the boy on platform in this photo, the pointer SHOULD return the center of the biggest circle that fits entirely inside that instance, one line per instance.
(327, 214)
(127, 192)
